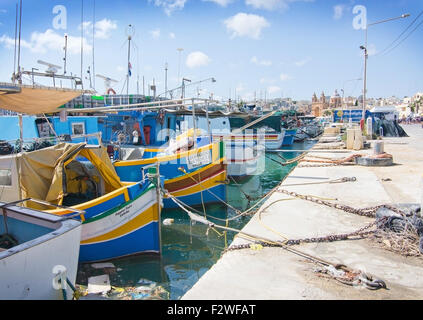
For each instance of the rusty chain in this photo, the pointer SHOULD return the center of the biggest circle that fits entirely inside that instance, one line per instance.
(364, 212)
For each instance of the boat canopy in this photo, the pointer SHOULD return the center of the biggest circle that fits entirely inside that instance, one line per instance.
(35, 100)
(42, 173)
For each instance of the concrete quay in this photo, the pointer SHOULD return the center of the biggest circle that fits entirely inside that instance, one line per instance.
(276, 274)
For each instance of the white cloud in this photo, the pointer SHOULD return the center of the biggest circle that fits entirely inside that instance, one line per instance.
(172, 35)
(103, 28)
(49, 41)
(285, 77)
(246, 25)
(120, 68)
(338, 11)
(272, 4)
(302, 63)
(155, 33)
(265, 63)
(169, 6)
(273, 89)
(197, 59)
(222, 3)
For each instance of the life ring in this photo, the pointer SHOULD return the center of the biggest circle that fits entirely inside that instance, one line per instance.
(111, 90)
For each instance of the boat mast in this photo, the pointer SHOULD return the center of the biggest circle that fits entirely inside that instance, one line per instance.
(93, 73)
(130, 34)
(66, 50)
(82, 39)
(19, 44)
(16, 36)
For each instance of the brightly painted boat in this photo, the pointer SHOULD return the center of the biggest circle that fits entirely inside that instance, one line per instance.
(36, 250)
(243, 152)
(289, 137)
(271, 139)
(120, 219)
(197, 176)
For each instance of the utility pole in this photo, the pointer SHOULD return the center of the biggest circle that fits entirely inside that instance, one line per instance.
(365, 81)
(366, 57)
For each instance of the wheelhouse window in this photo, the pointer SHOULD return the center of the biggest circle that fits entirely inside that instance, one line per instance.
(78, 128)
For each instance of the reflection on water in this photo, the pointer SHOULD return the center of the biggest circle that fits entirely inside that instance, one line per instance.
(189, 249)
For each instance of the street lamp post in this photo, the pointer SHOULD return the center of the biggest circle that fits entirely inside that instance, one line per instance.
(366, 57)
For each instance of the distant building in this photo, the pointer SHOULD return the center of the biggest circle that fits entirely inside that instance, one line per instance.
(318, 106)
(335, 101)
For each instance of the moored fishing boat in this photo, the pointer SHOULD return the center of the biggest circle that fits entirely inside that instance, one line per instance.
(197, 176)
(120, 218)
(36, 251)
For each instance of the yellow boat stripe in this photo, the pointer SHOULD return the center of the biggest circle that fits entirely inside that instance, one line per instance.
(161, 159)
(205, 184)
(148, 216)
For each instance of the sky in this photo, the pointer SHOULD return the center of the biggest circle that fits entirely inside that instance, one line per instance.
(252, 48)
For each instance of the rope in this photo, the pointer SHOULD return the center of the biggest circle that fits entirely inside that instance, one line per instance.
(260, 242)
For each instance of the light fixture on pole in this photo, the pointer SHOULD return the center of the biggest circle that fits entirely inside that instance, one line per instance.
(366, 57)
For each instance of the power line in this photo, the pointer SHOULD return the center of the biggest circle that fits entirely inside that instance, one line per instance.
(389, 48)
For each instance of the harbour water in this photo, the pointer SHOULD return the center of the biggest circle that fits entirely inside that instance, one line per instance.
(189, 250)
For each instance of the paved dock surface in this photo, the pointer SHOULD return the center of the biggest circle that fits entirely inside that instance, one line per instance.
(276, 274)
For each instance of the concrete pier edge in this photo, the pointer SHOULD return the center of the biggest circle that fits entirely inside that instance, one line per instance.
(276, 274)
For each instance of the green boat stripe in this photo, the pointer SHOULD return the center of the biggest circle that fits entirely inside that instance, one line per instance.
(114, 210)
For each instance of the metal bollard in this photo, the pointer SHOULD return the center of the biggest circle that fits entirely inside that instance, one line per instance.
(379, 147)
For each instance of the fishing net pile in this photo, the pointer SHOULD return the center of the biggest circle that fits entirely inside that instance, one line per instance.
(400, 234)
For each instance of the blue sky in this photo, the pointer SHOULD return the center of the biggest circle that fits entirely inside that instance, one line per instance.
(272, 48)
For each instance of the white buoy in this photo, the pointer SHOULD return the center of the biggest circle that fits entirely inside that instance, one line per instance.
(168, 222)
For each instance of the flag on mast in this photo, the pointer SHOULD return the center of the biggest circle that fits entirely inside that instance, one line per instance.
(129, 69)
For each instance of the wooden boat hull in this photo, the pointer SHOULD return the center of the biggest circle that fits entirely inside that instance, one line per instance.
(289, 137)
(120, 224)
(195, 177)
(46, 246)
(271, 141)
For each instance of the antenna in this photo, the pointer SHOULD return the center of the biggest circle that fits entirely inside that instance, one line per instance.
(52, 68)
(107, 81)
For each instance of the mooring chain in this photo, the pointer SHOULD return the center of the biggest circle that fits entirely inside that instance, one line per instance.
(326, 165)
(331, 238)
(365, 212)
